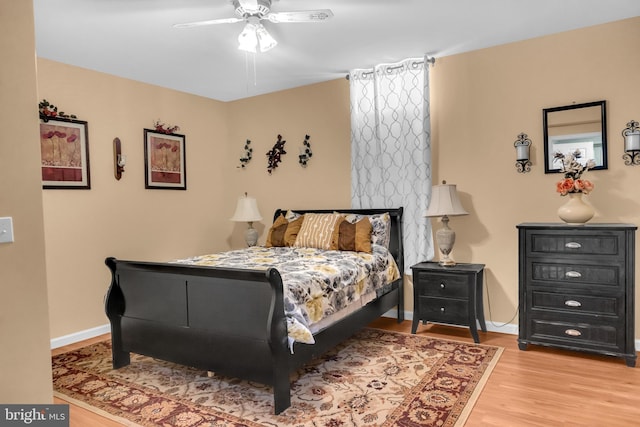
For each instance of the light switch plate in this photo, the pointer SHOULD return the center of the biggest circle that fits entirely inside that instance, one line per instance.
(6, 230)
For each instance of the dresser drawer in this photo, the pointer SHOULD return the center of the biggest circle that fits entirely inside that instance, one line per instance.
(444, 310)
(575, 273)
(576, 243)
(578, 335)
(443, 285)
(600, 305)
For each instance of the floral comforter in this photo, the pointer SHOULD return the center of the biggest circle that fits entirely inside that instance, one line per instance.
(317, 283)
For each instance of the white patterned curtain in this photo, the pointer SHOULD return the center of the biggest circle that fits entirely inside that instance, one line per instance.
(391, 147)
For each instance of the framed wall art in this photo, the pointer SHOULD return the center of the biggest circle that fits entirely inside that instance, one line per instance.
(164, 161)
(64, 154)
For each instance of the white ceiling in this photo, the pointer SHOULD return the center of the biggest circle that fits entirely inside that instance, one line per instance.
(135, 38)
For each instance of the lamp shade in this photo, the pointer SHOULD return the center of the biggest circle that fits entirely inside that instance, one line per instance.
(246, 210)
(445, 201)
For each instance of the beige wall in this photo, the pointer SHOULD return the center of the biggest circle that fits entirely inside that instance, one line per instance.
(320, 111)
(483, 99)
(122, 218)
(25, 364)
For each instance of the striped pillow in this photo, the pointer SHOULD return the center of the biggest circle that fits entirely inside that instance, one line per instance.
(319, 231)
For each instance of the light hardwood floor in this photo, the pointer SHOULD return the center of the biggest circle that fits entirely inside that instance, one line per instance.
(540, 387)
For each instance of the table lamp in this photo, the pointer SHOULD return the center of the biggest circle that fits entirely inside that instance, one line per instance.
(247, 211)
(445, 203)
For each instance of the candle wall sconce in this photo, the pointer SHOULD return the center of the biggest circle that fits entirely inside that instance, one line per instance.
(119, 159)
(522, 145)
(631, 135)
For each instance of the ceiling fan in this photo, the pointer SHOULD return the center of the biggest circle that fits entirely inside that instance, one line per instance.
(255, 36)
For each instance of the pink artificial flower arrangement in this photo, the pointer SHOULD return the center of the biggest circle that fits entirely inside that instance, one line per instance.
(573, 170)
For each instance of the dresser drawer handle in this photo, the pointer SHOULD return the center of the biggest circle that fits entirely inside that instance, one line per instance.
(441, 309)
(573, 274)
(441, 285)
(573, 303)
(572, 245)
(573, 332)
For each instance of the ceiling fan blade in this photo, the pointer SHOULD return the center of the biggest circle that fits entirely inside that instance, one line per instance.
(209, 22)
(300, 16)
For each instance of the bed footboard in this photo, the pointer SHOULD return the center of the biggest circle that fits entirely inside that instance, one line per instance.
(228, 321)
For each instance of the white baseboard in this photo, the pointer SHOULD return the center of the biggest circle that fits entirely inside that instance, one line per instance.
(508, 328)
(491, 327)
(80, 336)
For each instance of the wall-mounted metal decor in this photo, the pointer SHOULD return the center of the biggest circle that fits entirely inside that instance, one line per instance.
(631, 135)
(522, 145)
(274, 156)
(248, 154)
(305, 152)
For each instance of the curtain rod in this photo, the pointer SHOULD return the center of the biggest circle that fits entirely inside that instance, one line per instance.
(430, 60)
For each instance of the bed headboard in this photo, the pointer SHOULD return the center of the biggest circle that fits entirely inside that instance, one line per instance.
(395, 243)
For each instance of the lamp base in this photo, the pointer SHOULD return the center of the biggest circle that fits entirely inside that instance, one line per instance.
(447, 262)
(446, 237)
(251, 235)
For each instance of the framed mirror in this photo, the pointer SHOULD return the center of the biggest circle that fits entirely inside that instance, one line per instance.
(581, 127)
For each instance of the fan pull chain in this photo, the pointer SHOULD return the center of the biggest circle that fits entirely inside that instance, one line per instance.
(246, 70)
(255, 73)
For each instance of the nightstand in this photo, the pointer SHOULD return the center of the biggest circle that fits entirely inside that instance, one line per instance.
(451, 295)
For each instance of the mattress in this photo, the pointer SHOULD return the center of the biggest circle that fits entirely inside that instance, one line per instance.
(320, 286)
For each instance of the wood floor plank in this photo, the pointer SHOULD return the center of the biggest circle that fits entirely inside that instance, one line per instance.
(540, 387)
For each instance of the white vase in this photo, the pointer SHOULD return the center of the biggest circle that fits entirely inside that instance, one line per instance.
(575, 211)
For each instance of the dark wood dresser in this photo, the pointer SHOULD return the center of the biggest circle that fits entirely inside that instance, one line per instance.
(576, 287)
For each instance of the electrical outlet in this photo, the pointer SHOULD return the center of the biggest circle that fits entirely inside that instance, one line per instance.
(6, 230)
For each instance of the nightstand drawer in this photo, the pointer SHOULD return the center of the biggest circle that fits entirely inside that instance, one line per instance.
(576, 243)
(575, 273)
(443, 285)
(444, 310)
(601, 305)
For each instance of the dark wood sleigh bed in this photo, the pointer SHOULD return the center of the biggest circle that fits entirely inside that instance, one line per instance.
(228, 321)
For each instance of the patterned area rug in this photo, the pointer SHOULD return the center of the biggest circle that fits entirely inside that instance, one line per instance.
(377, 378)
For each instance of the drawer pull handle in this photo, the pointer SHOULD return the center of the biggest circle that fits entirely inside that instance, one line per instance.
(441, 285)
(573, 332)
(572, 245)
(573, 303)
(441, 309)
(573, 274)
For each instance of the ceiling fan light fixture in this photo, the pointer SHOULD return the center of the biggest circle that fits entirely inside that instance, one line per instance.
(248, 39)
(265, 40)
(254, 37)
